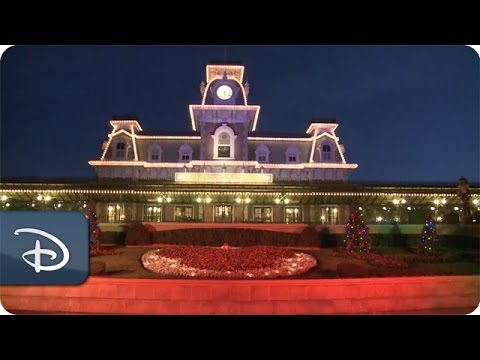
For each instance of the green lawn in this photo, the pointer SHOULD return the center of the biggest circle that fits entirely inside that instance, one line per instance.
(128, 265)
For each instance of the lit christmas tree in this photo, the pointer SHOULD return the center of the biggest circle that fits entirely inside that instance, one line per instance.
(429, 240)
(95, 232)
(357, 238)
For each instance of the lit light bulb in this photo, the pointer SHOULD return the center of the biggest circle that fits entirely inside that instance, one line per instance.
(159, 199)
(287, 201)
(247, 200)
(238, 200)
(208, 200)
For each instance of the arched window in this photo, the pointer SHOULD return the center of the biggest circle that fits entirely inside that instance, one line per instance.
(185, 153)
(223, 142)
(262, 153)
(154, 153)
(326, 152)
(120, 150)
(292, 155)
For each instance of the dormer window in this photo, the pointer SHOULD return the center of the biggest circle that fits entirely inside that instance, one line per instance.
(185, 153)
(154, 153)
(224, 143)
(120, 150)
(262, 153)
(292, 155)
(326, 152)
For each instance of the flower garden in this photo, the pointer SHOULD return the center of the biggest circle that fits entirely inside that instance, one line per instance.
(188, 253)
(228, 262)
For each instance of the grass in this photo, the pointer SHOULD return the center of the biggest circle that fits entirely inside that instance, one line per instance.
(128, 265)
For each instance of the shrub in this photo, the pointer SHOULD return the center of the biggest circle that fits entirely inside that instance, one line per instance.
(327, 239)
(220, 236)
(138, 234)
(110, 237)
(308, 237)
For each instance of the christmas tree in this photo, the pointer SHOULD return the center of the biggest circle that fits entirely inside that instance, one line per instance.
(429, 240)
(357, 238)
(95, 232)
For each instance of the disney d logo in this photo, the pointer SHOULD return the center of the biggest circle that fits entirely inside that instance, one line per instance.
(38, 251)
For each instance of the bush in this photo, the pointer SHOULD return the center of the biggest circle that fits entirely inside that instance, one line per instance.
(138, 234)
(327, 239)
(231, 236)
(110, 237)
(308, 237)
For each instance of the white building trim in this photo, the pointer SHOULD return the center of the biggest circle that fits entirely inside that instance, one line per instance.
(217, 141)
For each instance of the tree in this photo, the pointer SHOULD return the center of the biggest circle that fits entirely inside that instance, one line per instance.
(429, 240)
(357, 238)
(95, 231)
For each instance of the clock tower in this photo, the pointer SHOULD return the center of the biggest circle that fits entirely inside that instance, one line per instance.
(224, 118)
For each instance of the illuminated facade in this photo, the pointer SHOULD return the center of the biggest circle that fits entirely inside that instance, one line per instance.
(223, 141)
(225, 172)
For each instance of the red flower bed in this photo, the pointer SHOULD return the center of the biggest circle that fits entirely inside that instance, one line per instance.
(254, 261)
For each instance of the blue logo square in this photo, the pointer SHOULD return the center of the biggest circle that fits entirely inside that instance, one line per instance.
(43, 248)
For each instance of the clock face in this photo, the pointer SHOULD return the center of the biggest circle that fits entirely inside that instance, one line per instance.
(224, 92)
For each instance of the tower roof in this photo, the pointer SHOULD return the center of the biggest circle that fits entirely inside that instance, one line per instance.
(217, 71)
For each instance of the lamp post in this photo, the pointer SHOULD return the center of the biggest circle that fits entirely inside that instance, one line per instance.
(161, 200)
(284, 201)
(201, 201)
(398, 203)
(243, 201)
(438, 203)
(464, 193)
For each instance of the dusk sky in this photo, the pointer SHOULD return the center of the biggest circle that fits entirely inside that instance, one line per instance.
(405, 113)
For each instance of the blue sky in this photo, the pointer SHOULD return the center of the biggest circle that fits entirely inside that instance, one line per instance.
(405, 113)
